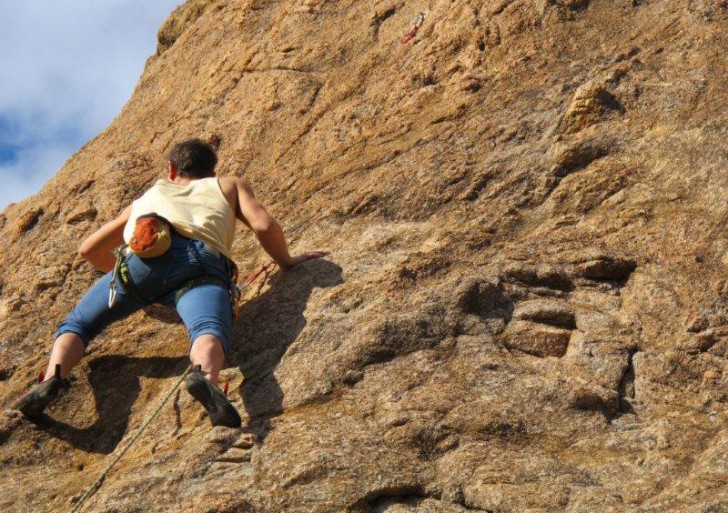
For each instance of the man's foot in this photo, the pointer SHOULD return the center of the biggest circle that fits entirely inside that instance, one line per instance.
(34, 402)
(221, 412)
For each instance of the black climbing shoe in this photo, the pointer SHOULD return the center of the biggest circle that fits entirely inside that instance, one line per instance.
(221, 412)
(34, 402)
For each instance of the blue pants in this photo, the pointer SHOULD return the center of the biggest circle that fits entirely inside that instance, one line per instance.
(204, 309)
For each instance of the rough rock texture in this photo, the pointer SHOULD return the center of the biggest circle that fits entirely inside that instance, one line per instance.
(526, 305)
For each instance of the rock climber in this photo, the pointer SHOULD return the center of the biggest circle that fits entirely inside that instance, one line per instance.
(171, 246)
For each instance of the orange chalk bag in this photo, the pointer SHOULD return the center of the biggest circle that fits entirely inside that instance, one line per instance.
(152, 236)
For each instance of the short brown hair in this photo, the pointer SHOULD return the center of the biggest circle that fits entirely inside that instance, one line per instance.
(193, 158)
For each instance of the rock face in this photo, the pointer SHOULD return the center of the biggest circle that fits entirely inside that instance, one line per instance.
(526, 305)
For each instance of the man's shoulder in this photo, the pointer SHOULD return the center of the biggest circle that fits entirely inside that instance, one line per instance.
(230, 181)
(233, 183)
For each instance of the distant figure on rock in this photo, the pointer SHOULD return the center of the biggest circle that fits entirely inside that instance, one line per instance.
(175, 249)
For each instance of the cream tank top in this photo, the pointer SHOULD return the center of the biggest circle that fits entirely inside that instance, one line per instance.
(198, 210)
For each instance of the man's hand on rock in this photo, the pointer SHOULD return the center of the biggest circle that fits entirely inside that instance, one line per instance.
(304, 257)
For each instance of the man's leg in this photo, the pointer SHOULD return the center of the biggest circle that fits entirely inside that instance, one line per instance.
(88, 318)
(207, 313)
(207, 352)
(67, 351)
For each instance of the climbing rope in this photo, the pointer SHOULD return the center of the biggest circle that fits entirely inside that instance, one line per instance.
(97, 484)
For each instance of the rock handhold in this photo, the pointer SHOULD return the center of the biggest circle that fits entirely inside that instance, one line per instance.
(594, 398)
(28, 220)
(569, 158)
(483, 298)
(82, 214)
(542, 276)
(548, 312)
(590, 103)
(697, 324)
(705, 340)
(606, 268)
(181, 18)
(400, 335)
(537, 339)
(53, 276)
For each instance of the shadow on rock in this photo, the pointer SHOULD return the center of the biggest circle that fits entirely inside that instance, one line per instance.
(269, 324)
(165, 314)
(115, 384)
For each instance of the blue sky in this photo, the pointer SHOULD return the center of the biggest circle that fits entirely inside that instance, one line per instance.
(69, 66)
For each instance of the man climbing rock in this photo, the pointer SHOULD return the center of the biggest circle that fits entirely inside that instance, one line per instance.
(176, 242)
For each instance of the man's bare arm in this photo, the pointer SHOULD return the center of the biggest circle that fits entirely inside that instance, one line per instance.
(266, 228)
(98, 247)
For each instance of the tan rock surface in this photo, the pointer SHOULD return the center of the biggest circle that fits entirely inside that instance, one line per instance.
(525, 308)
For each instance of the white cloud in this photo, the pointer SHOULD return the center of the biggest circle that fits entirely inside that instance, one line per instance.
(69, 67)
(26, 175)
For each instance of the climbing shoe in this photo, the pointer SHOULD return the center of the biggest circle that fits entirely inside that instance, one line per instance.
(34, 402)
(221, 412)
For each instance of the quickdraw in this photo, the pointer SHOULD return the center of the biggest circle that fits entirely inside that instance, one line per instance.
(416, 24)
(264, 270)
(121, 274)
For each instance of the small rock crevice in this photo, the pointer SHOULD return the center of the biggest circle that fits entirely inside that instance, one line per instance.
(625, 390)
(577, 156)
(547, 312)
(29, 220)
(578, 5)
(379, 499)
(484, 299)
(594, 399)
(608, 269)
(378, 18)
(549, 279)
(177, 413)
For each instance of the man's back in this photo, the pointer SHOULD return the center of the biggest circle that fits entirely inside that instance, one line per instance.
(198, 210)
